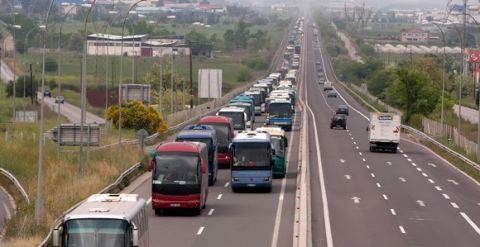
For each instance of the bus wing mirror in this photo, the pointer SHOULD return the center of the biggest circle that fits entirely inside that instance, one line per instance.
(56, 235)
(152, 153)
(135, 236)
(203, 166)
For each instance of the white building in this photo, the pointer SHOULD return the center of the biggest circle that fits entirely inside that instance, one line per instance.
(134, 45)
(414, 35)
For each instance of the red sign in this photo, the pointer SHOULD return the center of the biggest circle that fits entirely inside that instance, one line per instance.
(473, 56)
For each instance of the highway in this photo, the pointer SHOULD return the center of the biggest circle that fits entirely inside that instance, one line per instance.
(359, 198)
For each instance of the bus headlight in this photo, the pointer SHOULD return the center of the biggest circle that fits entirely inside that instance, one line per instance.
(235, 179)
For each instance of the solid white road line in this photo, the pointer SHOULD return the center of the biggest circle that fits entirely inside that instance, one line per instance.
(7, 212)
(200, 230)
(278, 216)
(454, 205)
(446, 196)
(219, 196)
(326, 214)
(149, 201)
(393, 211)
(401, 229)
(211, 211)
(472, 224)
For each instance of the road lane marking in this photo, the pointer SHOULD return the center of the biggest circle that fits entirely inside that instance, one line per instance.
(357, 148)
(326, 214)
(278, 216)
(385, 197)
(454, 205)
(432, 165)
(360, 153)
(200, 230)
(452, 181)
(368, 167)
(353, 138)
(356, 199)
(393, 211)
(372, 174)
(421, 203)
(348, 177)
(219, 196)
(402, 179)
(211, 211)
(431, 181)
(354, 143)
(446, 196)
(409, 160)
(401, 229)
(342, 161)
(149, 201)
(227, 184)
(389, 163)
(413, 164)
(378, 185)
(419, 169)
(472, 224)
(401, 151)
(424, 174)
(404, 155)
(364, 159)
(280, 198)
(438, 188)
(7, 212)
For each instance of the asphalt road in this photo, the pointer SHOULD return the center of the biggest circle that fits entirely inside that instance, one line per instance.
(70, 111)
(411, 198)
(6, 209)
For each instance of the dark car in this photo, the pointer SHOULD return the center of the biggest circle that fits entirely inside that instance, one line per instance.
(342, 109)
(338, 120)
(47, 93)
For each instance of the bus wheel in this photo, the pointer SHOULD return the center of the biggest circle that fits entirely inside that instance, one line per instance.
(197, 211)
(158, 211)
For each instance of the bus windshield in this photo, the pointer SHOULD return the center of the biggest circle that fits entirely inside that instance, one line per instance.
(207, 141)
(237, 118)
(176, 168)
(252, 156)
(96, 232)
(280, 109)
(278, 145)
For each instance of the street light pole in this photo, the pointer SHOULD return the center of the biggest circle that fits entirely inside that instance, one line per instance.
(39, 200)
(191, 75)
(84, 86)
(172, 80)
(25, 50)
(443, 72)
(111, 12)
(121, 75)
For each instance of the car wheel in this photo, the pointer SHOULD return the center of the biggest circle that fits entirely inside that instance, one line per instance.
(159, 211)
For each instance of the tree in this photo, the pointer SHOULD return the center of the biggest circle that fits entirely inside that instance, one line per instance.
(51, 65)
(136, 115)
(30, 86)
(140, 27)
(413, 92)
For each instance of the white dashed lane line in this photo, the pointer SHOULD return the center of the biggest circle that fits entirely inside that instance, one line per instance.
(438, 188)
(200, 230)
(219, 196)
(393, 211)
(385, 197)
(227, 184)
(454, 205)
(431, 181)
(424, 174)
(372, 174)
(402, 229)
(211, 211)
(364, 159)
(446, 196)
(378, 185)
(368, 167)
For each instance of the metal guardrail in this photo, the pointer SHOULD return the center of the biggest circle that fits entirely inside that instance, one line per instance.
(107, 189)
(16, 183)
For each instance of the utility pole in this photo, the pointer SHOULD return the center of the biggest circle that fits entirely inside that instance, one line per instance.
(191, 76)
(459, 120)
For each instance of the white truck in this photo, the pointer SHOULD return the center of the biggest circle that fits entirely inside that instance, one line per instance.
(384, 132)
(327, 86)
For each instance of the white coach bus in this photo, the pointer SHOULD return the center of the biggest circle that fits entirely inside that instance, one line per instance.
(104, 220)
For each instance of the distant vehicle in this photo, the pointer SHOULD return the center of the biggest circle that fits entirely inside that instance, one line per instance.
(327, 86)
(252, 161)
(279, 144)
(47, 93)
(332, 93)
(238, 116)
(225, 134)
(258, 101)
(105, 220)
(279, 113)
(59, 99)
(250, 115)
(297, 49)
(384, 131)
(342, 109)
(179, 176)
(338, 120)
(205, 134)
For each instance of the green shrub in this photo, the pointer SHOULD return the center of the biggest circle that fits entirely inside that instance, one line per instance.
(244, 75)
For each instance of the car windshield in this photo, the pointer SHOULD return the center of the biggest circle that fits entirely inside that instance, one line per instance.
(252, 155)
(237, 118)
(96, 232)
(176, 168)
(280, 109)
(278, 145)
